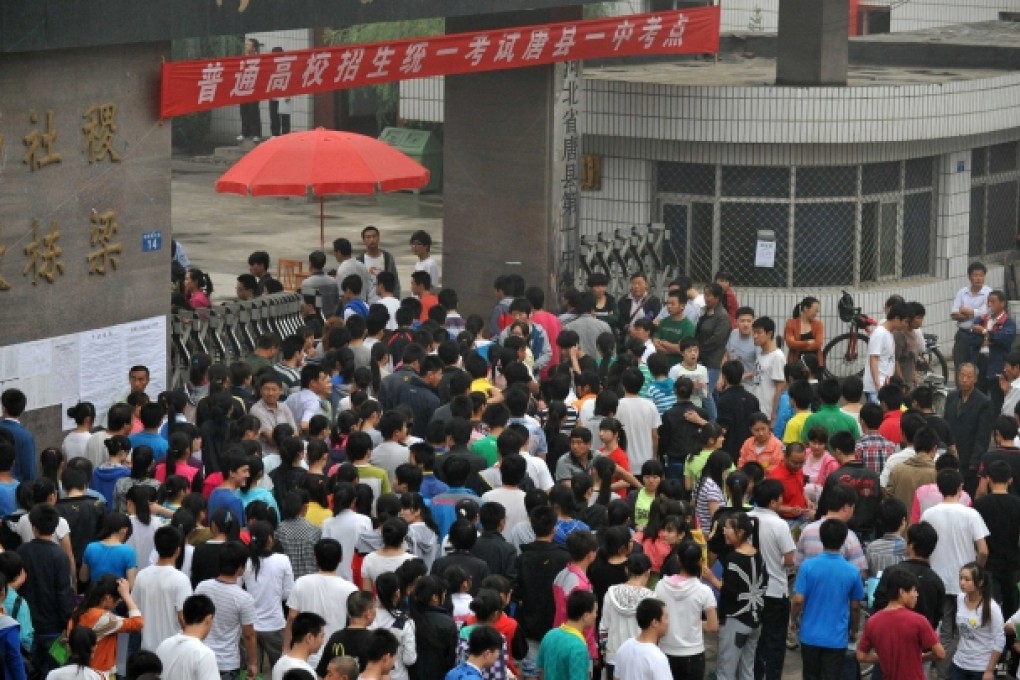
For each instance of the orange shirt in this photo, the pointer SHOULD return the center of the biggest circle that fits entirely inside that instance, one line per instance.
(107, 625)
(769, 456)
(428, 301)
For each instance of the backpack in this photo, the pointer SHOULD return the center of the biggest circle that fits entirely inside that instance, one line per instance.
(10, 539)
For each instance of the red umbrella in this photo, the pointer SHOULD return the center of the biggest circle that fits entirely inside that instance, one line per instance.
(322, 162)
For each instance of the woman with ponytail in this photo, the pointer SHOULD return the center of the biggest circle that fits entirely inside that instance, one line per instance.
(140, 474)
(389, 616)
(269, 579)
(197, 289)
(84, 416)
(143, 524)
(178, 452)
(224, 526)
(109, 554)
(805, 335)
(96, 612)
(82, 644)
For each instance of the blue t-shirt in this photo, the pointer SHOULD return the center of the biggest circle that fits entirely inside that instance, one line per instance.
(828, 583)
(8, 497)
(225, 498)
(152, 439)
(105, 559)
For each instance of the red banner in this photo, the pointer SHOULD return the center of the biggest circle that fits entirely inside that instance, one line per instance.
(190, 86)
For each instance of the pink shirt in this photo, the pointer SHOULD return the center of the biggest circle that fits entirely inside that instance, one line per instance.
(928, 495)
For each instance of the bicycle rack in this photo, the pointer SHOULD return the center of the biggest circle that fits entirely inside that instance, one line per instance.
(625, 251)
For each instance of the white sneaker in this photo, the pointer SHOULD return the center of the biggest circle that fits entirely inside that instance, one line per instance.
(240, 138)
(255, 139)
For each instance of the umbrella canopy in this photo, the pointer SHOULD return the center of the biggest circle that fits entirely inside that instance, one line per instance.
(322, 162)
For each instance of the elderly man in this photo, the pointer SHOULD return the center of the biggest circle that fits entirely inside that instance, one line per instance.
(969, 416)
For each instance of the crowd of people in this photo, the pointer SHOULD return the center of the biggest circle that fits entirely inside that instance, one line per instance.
(623, 489)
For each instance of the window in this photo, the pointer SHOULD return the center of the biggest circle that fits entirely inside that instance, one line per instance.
(994, 199)
(832, 225)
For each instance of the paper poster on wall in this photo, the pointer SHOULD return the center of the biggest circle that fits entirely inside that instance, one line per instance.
(765, 251)
(88, 366)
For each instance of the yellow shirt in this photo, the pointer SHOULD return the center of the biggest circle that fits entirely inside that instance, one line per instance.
(317, 514)
(794, 426)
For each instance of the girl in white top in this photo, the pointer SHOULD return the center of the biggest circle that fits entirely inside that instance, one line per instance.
(388, 557)
(422, 529)
(83, 414)
(979, 620)
(687, 598)
(82, 643)
(269, 579)
(346, 526)
(387, 615)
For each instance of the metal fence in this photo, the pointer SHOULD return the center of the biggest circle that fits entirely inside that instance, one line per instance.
(800, 227)
(228, 332)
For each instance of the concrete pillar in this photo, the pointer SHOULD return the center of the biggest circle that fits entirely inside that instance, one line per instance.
(812, 45)
(500, 189)
(953, 215)
(85, 172)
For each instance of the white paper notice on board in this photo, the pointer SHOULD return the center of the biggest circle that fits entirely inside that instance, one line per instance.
(765, 254)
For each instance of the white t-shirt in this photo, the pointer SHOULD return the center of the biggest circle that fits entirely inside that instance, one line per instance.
(287, 663)
(767, 372)
(538, 471)
(687, 599)
(374, 266)
(513, 501)
(160, 593)
(189, 555)
(774, 541)
(24, 528)
(699, 374)
(74, 672)
(389, 456)
(234, 608)
(958, 528)
(270, 589)
(375, 564)
(346, 528)
(75, 444)
(639, 417)
(326, 596)
(429, 265)
(882, 345)
(640, 661)
(392, 304)
(186, 658)
(893, 461)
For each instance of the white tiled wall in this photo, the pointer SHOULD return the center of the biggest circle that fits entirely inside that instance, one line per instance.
(625, 199)
(791, 115)
(422, 99)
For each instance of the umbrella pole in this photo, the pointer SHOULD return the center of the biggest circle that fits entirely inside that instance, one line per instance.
(322, 222)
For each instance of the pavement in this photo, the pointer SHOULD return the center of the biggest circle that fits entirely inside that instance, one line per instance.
(219, 231)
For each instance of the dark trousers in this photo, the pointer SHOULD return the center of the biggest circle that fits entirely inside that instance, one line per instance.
(687, 667)
(960, 674)
(279, 123)
(251, 120)
(771, 653)
(41, 659)
(822, 663)
(963, 349)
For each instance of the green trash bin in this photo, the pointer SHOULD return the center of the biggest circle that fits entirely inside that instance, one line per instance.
(422, 146)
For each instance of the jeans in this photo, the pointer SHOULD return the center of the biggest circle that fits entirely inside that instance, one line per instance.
(687, 667)
(771, 651)
(674, 470)
(230, 675)
(1004, 590)
(822, 663)
(737, 646)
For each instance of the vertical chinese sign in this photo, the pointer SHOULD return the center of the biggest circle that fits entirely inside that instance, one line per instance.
(566, 152)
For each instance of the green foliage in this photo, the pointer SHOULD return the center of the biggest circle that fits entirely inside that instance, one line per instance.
(388, 93)
(597, 10)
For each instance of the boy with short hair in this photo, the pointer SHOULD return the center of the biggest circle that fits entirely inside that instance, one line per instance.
(424, 456)
(306, 639)
(661, 389)
(801, 395)
(769, 378)
(690, 368)
(872, 448)
(421, 246)
(353, 639)
(881, 364)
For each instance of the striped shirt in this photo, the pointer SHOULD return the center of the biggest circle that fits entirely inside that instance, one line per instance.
(706, 492)
(234, 608)
(810, 545)
(885, 552)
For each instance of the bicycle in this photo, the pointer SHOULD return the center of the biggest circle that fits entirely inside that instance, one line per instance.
(845, 355)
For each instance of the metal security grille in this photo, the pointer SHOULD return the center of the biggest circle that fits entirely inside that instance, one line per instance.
(830, 225)
(644, 248)
(995, 183)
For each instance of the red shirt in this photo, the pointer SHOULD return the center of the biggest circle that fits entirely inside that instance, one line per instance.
(550, 323)
(428, 301)
(619, 456)
(890, 427)
(899, 636)
(793, 485)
